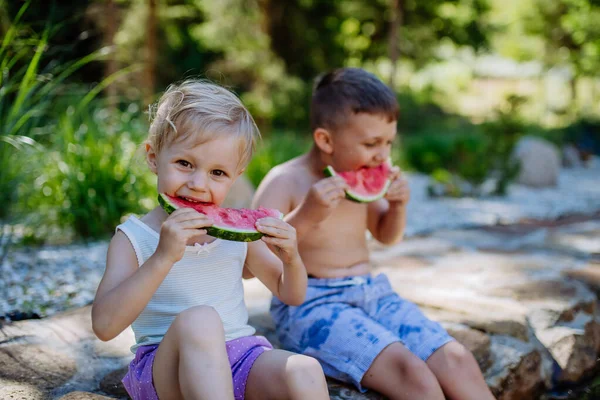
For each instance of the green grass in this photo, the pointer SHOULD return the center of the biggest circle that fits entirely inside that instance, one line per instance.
(91, 176)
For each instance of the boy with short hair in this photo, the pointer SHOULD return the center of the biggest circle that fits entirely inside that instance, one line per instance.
(352, 322)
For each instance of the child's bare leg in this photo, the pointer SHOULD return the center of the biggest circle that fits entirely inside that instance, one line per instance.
(191, 362)
(399, 374)
(458, 373)
(279, 374)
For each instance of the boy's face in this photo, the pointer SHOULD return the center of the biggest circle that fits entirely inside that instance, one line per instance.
(364, 141)
(198, 172)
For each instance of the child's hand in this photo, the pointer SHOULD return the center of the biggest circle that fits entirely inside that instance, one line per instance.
(327, 193)
(399, 191)
(280, 237)
(181, 226)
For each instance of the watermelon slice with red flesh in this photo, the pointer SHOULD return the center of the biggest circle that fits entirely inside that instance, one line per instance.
(237, 224)
(366, 184)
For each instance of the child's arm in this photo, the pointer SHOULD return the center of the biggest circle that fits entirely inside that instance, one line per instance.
(276, 262)
(125, 289)
(278, 191)
(387, 217)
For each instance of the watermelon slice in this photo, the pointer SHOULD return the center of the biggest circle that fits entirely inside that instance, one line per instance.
(228, 223)
(366, 184)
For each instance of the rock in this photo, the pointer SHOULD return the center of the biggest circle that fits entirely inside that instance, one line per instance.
(562, 318)
(10, 390)
(540, 162)
(499, 323)
(490, 239)
(590, 275)
(342, 391)
(571, 157)
(579, 239)
(476, 341)
(574, 343)
(517, 372)
(112, 384)
(37, 365)
(61, 354)
(83, 396)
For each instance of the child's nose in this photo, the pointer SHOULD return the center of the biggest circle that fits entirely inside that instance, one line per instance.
(382, 155)
(197, 181)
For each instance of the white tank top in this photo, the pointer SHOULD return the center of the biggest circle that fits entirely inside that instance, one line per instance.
(209, 274)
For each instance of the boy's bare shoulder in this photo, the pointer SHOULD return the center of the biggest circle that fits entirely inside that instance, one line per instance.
(288, 174)
(283, 185)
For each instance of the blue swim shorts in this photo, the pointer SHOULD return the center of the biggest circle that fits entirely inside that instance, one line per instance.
(346, 322)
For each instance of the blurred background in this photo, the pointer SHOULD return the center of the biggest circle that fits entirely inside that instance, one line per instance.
(473, 77)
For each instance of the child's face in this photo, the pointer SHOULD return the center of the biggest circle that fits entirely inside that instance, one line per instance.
(198, 172)
(365, 141)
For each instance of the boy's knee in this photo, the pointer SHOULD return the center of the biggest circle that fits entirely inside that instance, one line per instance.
(200, 324)
(305, 369)
(421, 377)
(458, 357)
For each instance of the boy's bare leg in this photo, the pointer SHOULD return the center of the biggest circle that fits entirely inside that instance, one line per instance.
(458, 373)
(399, 374)
(191, 362)
(279, 374)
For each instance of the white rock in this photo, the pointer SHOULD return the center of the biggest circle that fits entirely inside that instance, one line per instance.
(540, 162)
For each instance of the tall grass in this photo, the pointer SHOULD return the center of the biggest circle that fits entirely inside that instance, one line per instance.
(29, 86)
(41, 137)
(91, 176)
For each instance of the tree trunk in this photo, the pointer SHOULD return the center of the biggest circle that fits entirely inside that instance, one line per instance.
(573, 84)
(112, 64)
(151, 51)
(394, 51)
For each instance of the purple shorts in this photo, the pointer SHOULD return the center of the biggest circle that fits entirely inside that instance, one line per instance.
(242, 353)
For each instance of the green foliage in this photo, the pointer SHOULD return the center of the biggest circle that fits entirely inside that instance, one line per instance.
(313, 36)
(570, 31)
(29, 88)
(503, 133)
(277, 148)
(419, 113)
(460, 159)
(90, 179)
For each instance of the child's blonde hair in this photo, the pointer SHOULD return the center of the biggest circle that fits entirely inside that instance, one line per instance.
(204, 111)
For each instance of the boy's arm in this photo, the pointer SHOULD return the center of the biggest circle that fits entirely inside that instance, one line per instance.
(278, 191)
(387, 217)
(386, 221)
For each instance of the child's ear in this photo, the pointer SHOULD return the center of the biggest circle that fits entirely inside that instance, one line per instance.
(323, 140)
(151, 158)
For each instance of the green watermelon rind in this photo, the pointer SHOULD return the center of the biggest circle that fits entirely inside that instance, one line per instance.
(221, 232)
(350, 195)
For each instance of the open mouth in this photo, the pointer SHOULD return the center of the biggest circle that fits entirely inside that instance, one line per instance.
(191, 200)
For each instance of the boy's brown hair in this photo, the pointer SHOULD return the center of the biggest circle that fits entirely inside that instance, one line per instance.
(349, 91)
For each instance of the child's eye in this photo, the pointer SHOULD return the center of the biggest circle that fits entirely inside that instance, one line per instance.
(370, 144)
(218, 172)
(184, 163)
